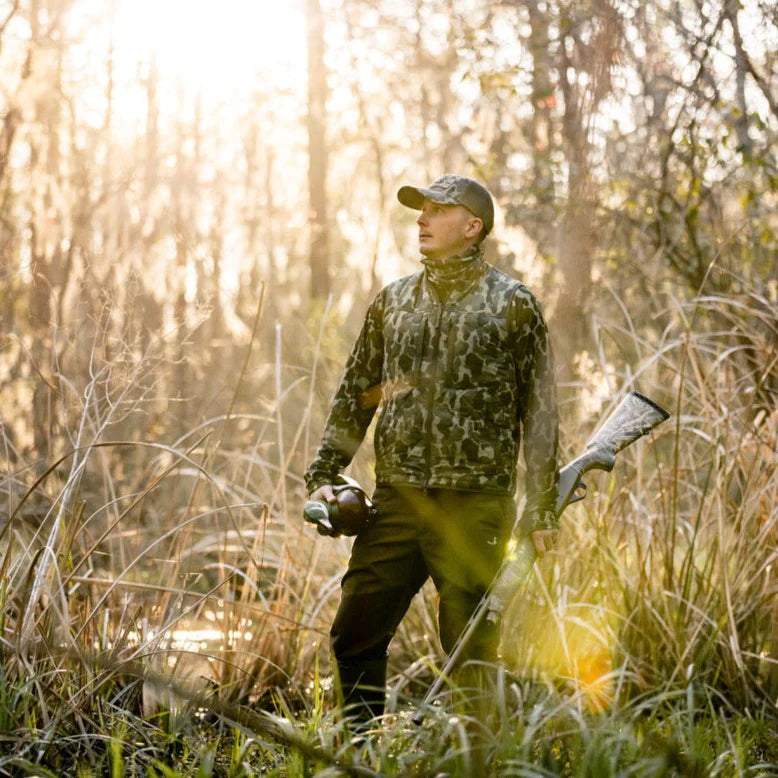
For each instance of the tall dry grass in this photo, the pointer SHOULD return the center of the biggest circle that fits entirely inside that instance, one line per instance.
(665, 576)
(140, 573)
(152, 588)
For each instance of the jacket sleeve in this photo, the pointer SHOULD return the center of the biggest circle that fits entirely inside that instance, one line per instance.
(538, 412)
(354, 403)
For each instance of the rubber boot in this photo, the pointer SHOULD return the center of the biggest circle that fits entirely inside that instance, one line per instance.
(361, 689)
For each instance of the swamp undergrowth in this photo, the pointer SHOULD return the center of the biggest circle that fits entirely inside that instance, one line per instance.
(164, 611)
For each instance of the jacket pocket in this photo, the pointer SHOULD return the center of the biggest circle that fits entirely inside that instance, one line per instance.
(404, 338)
(475, 353)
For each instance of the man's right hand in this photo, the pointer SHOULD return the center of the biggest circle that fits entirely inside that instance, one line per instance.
(323, 493)
(544, 540)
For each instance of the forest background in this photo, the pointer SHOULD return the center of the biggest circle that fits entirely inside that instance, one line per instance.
(197, 204)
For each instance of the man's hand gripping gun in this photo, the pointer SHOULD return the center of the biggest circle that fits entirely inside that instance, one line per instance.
(634, 417)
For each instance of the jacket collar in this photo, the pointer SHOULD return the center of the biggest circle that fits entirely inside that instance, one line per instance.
(453, 273)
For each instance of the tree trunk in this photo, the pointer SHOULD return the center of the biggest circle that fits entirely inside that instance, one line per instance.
(576, 237)
(543, 100)
(317, 152)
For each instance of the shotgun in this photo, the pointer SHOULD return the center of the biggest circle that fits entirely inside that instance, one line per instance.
(634, 417)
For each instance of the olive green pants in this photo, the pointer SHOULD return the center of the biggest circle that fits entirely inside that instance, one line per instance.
(457, 538)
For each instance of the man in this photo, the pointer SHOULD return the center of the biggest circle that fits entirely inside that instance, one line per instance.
(458, 356)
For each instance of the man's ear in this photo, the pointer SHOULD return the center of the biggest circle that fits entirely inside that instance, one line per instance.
(474, 227)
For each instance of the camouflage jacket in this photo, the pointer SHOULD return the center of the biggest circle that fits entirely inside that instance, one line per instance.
(458, 381)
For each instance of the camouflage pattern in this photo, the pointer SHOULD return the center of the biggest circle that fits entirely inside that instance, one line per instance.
(635, 416)
(458, 382)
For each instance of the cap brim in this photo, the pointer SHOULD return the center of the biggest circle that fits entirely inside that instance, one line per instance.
(414, 196)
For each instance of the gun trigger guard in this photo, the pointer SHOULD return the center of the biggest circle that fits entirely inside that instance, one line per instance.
(578, 493)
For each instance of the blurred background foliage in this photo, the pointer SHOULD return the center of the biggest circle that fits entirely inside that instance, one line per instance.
(163, 169)
(197, 204)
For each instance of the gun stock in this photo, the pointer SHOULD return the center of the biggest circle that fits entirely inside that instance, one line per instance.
(634, 417)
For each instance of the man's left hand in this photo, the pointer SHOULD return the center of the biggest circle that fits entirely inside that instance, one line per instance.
(544, 540)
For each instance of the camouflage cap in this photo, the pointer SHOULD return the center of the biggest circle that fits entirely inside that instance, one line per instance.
(451, 189)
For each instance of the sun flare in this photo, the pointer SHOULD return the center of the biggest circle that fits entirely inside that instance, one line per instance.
(213, 48)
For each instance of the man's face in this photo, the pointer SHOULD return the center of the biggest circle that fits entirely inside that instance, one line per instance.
(446, 230)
